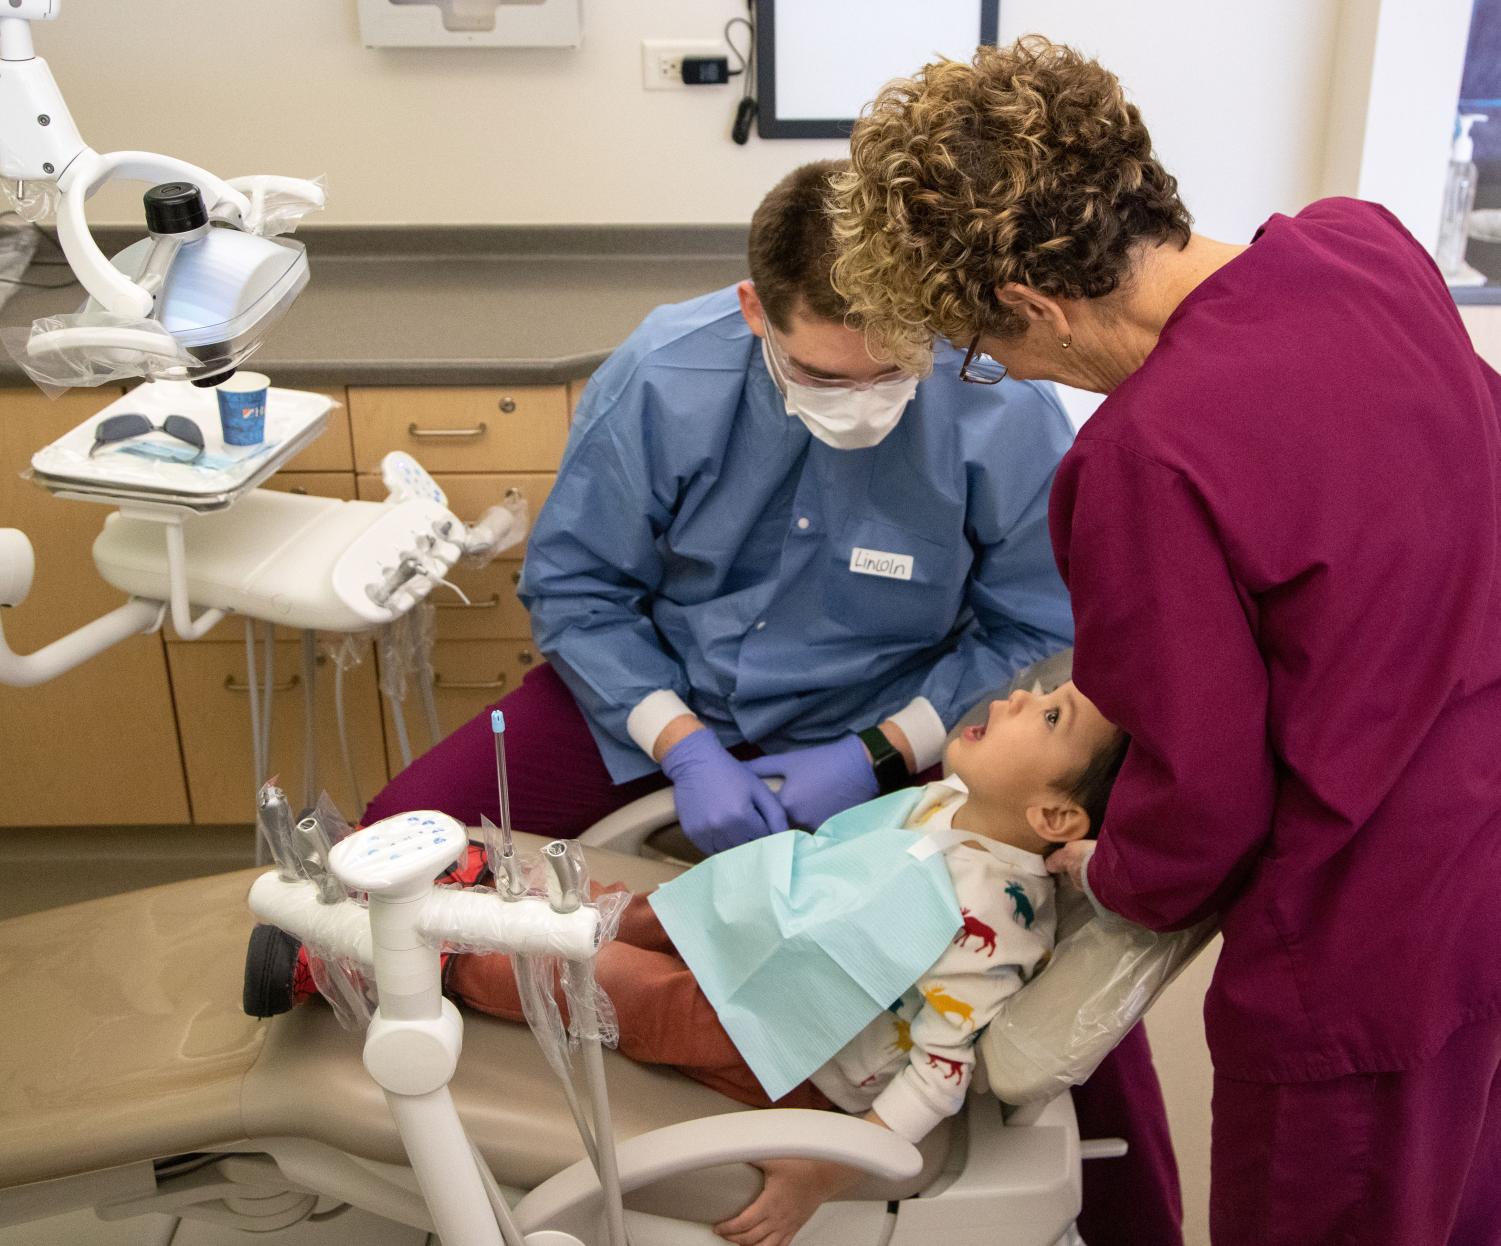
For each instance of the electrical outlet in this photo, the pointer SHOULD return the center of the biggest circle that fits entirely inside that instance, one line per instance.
(662, 60)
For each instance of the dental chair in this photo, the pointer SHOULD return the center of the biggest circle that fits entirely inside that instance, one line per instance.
(133, 1083)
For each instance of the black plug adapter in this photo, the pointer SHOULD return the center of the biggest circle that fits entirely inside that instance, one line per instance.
(701, 71)
(745, 114)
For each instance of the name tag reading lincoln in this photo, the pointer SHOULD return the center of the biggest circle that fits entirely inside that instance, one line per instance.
(878, 562)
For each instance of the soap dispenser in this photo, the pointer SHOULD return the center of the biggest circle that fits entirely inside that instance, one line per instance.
(1459, 198)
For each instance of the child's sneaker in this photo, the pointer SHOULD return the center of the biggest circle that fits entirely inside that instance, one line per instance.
(277, 977)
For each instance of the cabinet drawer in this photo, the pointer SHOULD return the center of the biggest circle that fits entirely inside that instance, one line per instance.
(496, 613)
(213, 714)
(521, 428)
(66, 592)
(469, 675)
(94, 747)
(575, 392)
(333, 451)
(318, 484)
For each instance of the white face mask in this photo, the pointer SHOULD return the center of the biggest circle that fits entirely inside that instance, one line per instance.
(847, 419)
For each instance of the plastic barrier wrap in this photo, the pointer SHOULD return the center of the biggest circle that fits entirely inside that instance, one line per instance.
(32, 201)
(1103, 976)
(94, 348)
(500, 528)
(279, 204)
(307, 901)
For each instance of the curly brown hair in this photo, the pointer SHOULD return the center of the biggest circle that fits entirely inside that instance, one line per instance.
(1027, 165)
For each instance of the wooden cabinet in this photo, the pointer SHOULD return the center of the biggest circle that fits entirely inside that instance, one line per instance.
(213, 706)
(97, 746)
(522, 428)
(159, 733)
(332, 451)
(575, 392)
(468, 676)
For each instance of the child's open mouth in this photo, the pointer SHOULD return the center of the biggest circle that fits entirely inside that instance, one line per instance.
(977, 732)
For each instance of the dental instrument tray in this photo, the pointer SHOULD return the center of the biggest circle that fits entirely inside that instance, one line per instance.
(306, 562)
(155, 472)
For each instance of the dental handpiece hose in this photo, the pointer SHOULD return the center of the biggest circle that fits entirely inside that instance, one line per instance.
(566, 895)
(510, 885)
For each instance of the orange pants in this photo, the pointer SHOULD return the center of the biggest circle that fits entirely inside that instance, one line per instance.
(664, 1017)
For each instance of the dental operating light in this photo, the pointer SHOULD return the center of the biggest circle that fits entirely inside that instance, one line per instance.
(194, 299)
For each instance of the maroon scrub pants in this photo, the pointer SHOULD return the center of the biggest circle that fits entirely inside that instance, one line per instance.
(1377, 1159)
(560, 788)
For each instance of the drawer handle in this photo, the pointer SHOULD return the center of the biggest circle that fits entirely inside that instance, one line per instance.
(516, 578)
(489, 604)
(525, 657)
(231, 684)
(469, 685)
(477, 431)
(508, 404)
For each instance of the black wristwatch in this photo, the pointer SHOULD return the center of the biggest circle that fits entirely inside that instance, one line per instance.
(885, 760)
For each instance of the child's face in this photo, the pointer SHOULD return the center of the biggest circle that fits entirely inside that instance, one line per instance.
(1030, 746)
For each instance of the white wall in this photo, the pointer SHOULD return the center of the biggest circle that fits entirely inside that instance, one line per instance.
(1234, 94)
(417, 136)
(1391, 115)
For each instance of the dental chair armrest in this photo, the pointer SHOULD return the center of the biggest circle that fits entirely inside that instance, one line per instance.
(628, 828)
(736, 1137)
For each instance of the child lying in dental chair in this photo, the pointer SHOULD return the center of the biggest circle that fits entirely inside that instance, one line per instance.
(1035, 775)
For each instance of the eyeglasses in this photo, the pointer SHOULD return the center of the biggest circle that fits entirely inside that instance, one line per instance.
(118, 428)
(979, 368)
(800, 376)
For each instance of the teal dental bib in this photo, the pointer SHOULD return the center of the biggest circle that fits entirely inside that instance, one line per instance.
(799, 940)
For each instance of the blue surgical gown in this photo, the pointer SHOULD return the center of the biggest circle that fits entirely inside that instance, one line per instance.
(699, 539)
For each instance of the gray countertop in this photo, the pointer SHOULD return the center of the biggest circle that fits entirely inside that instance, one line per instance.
(460, 306)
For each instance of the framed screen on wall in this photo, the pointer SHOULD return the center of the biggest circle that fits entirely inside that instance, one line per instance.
(818, 62)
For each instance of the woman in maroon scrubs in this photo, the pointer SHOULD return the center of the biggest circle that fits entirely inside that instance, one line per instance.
(1281, 534)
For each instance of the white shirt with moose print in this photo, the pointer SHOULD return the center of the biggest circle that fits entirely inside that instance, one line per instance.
(913, 1063)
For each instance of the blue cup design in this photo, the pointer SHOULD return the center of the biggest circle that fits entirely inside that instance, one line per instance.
(242, 409)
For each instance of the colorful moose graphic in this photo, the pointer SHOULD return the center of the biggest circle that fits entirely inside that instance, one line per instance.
(976, 929)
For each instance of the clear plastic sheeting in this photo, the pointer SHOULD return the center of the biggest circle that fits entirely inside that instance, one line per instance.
(345, 653)
(89, 348)
(335, 929)
(279, 204)
(32, 201)
(500, 528)
(478, 920)
(274, 825)
(1103, 976)
(405, 646)
(17, 246)
(349, 992)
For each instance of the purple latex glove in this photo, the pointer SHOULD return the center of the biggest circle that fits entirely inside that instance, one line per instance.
(821, 781)
(720, 802)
